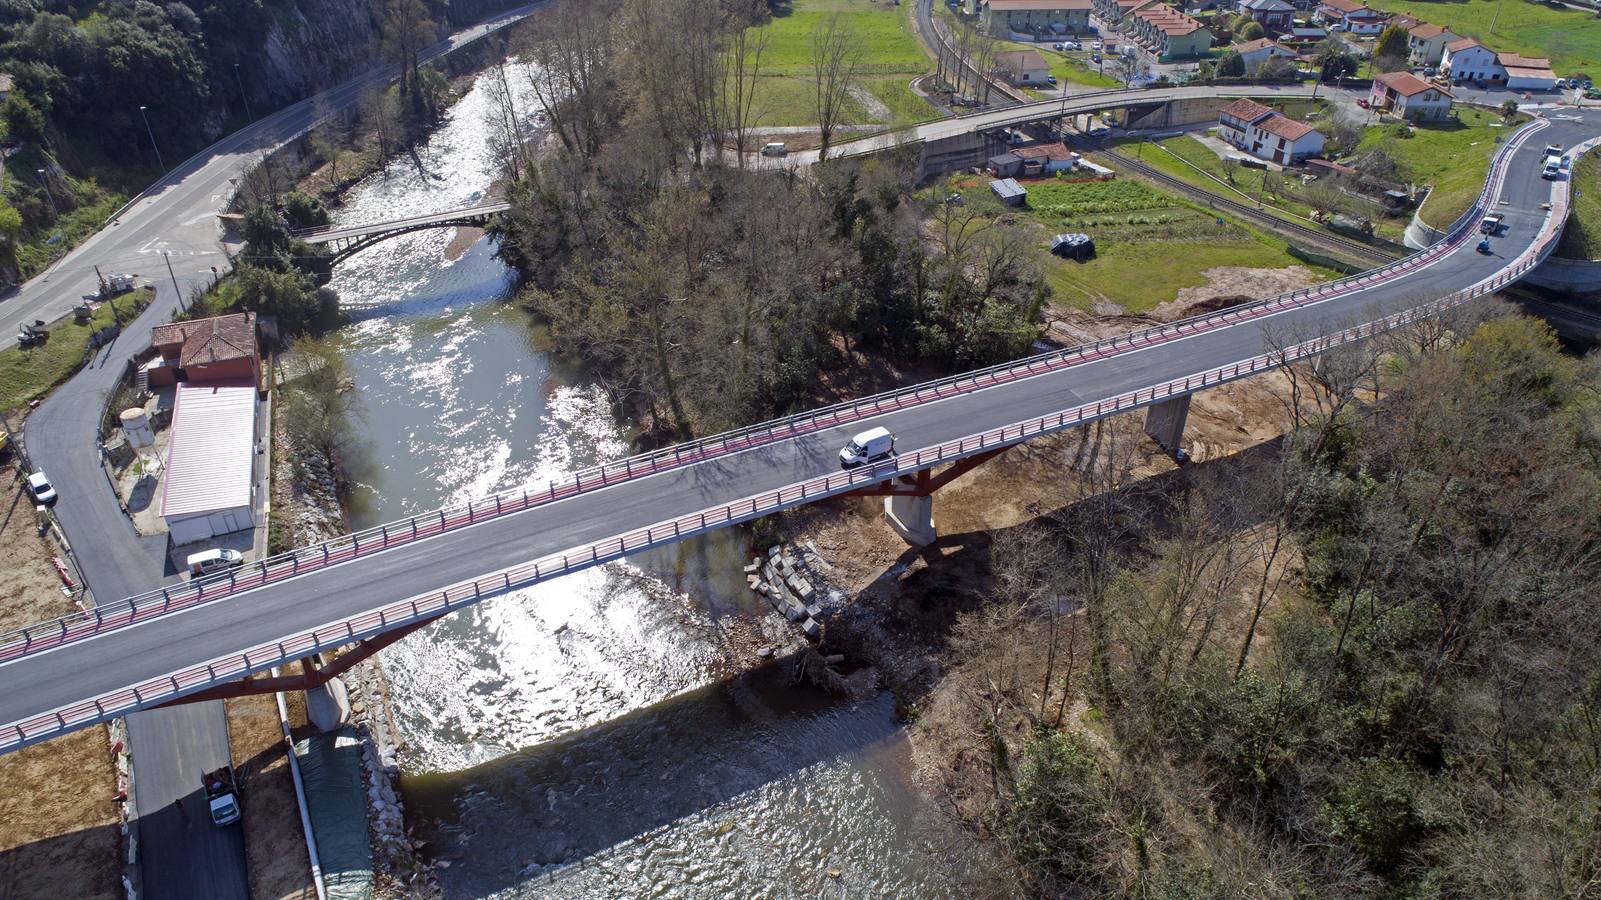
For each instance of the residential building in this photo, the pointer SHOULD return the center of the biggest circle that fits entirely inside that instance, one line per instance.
(1465, 59)
(1022, 66)
(1527, 73)
(1259, 51)
(1275, 16)
(1268, 134)
(1036, 16)
(1168, 33)
(1410, 97)
(1350, 16)
(217, 349)
(1425, 44)
(1116, 13)
(1044, 159)
(210, 483)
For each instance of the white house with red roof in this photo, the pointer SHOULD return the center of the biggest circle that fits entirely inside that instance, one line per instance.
(1350, 16)
(1410, 97)
(1465, 59)
(1425, 44)
(1259, 51)
(1268, 134)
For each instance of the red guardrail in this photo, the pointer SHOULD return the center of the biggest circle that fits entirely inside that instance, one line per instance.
(183, 596)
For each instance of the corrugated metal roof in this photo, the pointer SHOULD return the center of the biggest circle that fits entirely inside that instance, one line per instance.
(211, 453)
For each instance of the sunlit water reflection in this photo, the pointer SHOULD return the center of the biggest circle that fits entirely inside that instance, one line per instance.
(579, 738)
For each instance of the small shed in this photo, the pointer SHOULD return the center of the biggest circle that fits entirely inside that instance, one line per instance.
(1010, 192)
(1005, 165)
(1076, 245)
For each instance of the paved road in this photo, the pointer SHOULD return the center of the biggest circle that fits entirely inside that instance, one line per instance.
(179, 214)
(181, 853)
(119, 658)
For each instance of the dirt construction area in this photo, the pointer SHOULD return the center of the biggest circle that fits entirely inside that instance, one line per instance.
(59, 819)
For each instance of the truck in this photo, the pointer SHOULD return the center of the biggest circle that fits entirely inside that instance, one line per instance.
(1551, 170)
(116, 284)
(872, 445)
(1492, 224)
(222, 796)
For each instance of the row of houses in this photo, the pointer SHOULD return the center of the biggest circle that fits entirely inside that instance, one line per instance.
(1159, 28)
(1034, 16)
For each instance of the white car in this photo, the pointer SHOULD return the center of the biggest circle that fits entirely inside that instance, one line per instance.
(1095, 45)
(42, 490)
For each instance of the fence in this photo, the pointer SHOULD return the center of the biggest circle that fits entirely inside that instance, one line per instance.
(449, 599)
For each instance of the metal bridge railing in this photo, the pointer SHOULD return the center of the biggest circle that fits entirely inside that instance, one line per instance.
(365, 625)
(186, 595)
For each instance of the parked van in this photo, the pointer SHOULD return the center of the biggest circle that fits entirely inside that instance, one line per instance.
(775, 149)
(207, 562)
(870, 446)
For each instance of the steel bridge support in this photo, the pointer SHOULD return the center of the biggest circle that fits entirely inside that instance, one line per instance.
(1164, 422)
(327, 704)
(909, 499)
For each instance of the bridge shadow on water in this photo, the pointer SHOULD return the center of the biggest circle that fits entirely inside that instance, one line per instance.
(573, 797)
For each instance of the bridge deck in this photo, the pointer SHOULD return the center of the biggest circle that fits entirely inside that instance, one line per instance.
(100, 666)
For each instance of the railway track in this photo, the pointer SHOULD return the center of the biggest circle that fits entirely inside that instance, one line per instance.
(1356, 251)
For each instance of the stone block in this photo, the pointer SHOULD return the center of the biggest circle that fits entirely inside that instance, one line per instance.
(794, 611)
(812, 629)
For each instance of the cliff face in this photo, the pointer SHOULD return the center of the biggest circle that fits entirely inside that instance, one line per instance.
(314, 44)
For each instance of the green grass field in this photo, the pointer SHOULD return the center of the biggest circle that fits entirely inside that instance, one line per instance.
(1149, 245)
(1069, 68)
(29, 373)
(891, 56)
(1451, 156)
(1581, 238)
(1572, 39)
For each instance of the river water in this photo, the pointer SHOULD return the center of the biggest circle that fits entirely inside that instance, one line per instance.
(589, 737)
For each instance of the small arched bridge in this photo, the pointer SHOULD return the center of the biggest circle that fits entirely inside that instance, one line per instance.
(349, 240)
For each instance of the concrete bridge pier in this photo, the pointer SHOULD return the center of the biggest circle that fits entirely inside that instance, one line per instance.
(328, 705)
(912, 517)
(1164, 422)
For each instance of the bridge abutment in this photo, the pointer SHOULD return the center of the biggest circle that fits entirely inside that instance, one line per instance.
(1164, 422)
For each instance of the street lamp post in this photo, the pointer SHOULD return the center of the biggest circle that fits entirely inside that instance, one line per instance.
(44, 179)
(152, 134)
(242, 95)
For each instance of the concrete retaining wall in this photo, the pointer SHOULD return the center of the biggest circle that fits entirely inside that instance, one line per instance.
(1577, 276)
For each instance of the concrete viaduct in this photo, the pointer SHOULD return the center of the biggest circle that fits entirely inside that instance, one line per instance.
(200, 640)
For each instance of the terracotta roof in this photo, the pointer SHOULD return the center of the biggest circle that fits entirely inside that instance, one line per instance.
(1344, 6)
(1426, 30)
(1246, 110)
(1405, 21)
(209, 340)
(1056, 152)
(1285, 127)
(1461, 44)
(1021, 60)
(1408, 85)
(1261, 44)
(1523, 62)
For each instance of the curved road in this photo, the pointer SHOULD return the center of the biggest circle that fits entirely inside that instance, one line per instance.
(51, 679)
(181, 855)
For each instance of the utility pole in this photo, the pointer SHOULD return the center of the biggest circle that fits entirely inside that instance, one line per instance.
(242, 95)
(153, 146)
(168, 257)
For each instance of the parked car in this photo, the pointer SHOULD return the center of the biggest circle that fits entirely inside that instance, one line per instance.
(1095, 57)
(42, 490)
(1050, 79)
(208, 562)
(774, 149)
(872, 445)
(1095, 45)
(1363, 102)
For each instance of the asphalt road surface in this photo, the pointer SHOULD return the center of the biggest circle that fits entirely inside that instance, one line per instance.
(119, 658)
(182, 855)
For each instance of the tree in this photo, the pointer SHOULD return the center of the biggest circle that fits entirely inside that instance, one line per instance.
(24, 121)
(1507, 110)
(1390, 53)
(1251, 32)
(1334, 59)
(1129, 68)
(1230, 65)
(1231, 167)
(572, 75)
(1277, 68)
(1325, 199)
(741, 74)
(406, 30)
(835, 54)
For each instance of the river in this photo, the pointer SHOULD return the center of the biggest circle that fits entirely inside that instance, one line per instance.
(593, 736)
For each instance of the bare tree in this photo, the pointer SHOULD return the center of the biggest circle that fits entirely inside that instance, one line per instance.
(835, 56)
(506, 136)
(571, 71)
(742, 73)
